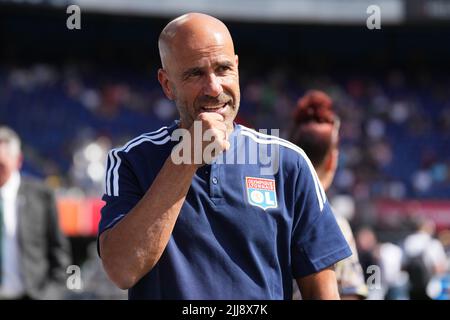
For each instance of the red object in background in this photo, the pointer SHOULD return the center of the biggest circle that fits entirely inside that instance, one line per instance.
(97, 205)
(69, 212)
(79, 217)
(393, 213)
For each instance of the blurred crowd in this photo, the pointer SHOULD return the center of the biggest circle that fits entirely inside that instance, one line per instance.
(416, 267)
(395, 128)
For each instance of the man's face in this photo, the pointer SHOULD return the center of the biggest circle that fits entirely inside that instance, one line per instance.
(204, 77)
(9, 162)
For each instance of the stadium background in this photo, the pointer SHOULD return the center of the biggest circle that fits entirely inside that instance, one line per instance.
(73, 94)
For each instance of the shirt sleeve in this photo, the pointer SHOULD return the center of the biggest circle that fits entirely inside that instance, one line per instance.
(122, 191)
(317, 241)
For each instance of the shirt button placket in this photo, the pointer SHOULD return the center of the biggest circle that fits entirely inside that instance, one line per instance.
(214, 181)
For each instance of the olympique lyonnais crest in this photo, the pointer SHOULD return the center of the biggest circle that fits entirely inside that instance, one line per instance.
(261, 192)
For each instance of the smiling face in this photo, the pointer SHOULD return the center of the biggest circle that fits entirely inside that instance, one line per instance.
(200, 68)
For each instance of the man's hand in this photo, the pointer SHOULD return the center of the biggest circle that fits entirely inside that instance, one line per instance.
(214, 137)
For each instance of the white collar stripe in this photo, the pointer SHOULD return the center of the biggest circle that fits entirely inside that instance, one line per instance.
(115, 161)
(112, 155)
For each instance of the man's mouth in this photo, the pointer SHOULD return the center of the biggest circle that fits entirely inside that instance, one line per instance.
(221, 109)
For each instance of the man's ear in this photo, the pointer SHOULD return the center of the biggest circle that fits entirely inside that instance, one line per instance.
(164, 81)
(236, 60)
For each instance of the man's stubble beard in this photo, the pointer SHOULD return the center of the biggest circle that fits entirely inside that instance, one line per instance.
(187, 119)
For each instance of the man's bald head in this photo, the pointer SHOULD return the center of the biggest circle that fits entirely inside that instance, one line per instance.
(192, 31)
(199, 68)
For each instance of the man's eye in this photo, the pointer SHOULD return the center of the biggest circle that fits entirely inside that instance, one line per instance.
(192, 74)
(224, 68)
(196, 73)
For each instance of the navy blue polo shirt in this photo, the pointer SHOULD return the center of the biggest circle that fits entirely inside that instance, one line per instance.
(252, 220)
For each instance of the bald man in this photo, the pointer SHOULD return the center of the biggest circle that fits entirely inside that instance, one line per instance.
(205, 229)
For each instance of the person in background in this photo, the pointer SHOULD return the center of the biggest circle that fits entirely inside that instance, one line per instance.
(34, 255)
(316, 131)
(367, 248)
(425, 257)
(394, 280)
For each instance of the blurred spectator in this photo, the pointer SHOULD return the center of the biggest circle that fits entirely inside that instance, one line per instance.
(394, 280)
(439, 286)
(34, 254)
(444, 237)
(316, 131)
(367, 246)
(369, 256)
(424, 258)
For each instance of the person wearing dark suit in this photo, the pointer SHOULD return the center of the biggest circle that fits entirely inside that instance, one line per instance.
(34, 254)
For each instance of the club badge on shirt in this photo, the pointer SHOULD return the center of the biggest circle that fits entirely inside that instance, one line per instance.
(261, 192)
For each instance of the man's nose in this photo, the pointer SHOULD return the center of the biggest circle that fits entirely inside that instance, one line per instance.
(213, 86)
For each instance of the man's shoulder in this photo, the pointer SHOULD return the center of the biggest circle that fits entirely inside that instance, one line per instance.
(147, 142)
(289, 152)
(138, 157)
